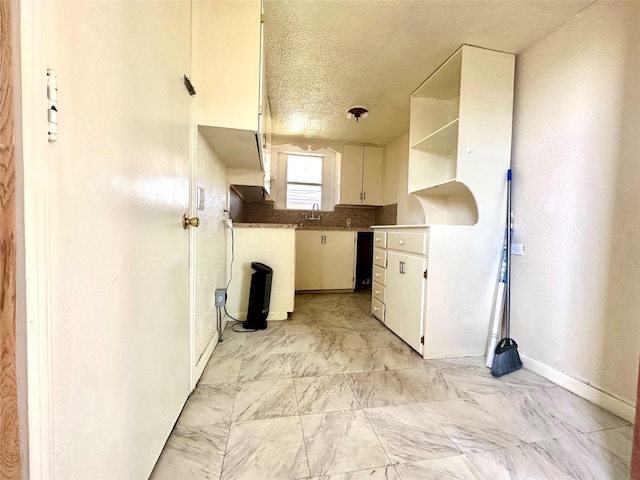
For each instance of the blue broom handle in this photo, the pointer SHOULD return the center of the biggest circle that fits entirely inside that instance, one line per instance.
(509, 233)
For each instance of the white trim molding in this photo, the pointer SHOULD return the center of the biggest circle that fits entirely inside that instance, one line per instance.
(588, 392)
(204, 358)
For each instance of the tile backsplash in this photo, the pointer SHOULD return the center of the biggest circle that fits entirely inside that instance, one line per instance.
(361, 217)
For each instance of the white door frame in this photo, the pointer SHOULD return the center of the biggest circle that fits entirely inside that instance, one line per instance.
(33, 220)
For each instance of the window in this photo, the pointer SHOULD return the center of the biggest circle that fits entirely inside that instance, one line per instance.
(304, 177)
(304, 181)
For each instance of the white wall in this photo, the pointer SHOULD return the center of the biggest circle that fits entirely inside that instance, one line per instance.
(576, 162)
(395, 182)
(210, 245)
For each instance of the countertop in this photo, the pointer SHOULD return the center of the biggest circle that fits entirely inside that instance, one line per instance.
(298, 227)
(265, 225)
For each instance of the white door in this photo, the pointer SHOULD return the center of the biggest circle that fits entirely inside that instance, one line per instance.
(118, 184)
(338, 259)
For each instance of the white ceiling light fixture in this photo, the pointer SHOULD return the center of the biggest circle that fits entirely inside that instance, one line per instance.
(357, 112)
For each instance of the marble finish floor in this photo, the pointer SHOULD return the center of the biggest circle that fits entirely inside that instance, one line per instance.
(332, 394)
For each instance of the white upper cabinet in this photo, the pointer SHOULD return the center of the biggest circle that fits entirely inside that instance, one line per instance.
(361, 175)
(460, 136)
(231, 95)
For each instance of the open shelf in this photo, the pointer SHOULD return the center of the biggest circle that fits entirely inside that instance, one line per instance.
(448, 203)
(444, 83)
(445, 138)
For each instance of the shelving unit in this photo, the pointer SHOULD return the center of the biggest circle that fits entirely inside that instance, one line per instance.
(460, 135)
(460, 150)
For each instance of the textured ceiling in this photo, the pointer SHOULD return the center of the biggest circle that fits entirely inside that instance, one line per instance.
(322, 57)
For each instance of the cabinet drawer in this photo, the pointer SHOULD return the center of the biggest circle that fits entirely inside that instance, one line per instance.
(378, 292)
(380, 239)
(380, 275)
(408, 242)
(377, 309)
(380, 257)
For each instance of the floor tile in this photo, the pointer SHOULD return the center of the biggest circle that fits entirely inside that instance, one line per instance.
(264, 367)
(381, 339)
(230, 346)
(299, 328)
(195, 453)
(377, 473)
(427, 384)
(396, 358)
(571, 457)
(379, 389)
(265, 449)
(264, 399)
(470, 374)
(209, 404)
(525, 379)
(340, 442)
(314, 364)
(361, 360)
(324, 394)
(576, 411)
(221, 370)
(617, 440)
(448, 468)
(342, 341)
(298, 344)
(408, 433)
(494, 421)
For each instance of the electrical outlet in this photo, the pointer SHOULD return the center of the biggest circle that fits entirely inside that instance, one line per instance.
(221, 297)
(517, 249)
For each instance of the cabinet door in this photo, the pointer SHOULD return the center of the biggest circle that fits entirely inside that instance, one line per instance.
(405, 297)
(413, 298)
(338, 270)
(395, 292)
(309, 249)
(351, 175)
(372, 176)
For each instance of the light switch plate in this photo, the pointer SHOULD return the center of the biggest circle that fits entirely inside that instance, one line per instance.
(517, 249)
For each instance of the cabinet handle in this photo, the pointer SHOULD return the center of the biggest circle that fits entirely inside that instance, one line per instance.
(401, 242)
(377, 292)
(377, 274)
(377, 257)
(375, 309)
(364, 195)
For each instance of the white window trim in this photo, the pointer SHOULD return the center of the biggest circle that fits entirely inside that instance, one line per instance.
(279, 186)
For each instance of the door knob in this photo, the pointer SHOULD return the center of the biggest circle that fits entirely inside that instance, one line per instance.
(189, 222)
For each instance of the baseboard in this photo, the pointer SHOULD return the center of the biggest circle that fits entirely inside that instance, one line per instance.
(206, 355)
(588, 392)
(242, 316)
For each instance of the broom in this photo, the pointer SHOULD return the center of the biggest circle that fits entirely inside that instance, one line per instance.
(506, 359)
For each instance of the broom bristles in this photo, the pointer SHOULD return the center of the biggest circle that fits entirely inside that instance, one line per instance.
(507, 359)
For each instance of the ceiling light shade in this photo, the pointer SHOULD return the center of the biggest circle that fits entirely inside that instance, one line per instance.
(357, 112)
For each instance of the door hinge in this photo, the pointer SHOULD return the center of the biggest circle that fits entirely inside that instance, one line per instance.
(189, 86)
(425, 274)
(422, 340)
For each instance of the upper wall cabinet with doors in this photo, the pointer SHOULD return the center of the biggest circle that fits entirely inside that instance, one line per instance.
(460, 136)
(231, 91)
(361, 175)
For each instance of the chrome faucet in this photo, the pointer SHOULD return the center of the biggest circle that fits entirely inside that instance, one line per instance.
(314, 208)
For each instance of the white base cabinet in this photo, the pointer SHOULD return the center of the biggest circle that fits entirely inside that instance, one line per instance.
(325, 260)
(405, 297)
(400, 271)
